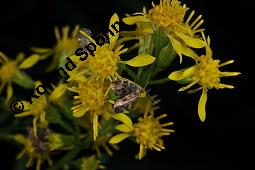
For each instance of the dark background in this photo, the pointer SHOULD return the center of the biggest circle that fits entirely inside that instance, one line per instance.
(224, 141)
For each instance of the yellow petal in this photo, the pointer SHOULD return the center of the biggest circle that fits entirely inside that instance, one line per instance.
(29, 62)
(188, 86)
(189, 52)
(118, 138)
(113, 23)
(201, 105)
(41, 50)
(192, 42)
(95, 126)
(227, 74)
(20, 138)
(189, 71)
(3, 57)
(141, 152)
(88, 37)
(124, 119)
(26, 104)
(177, 47)
(23, 114)
(20, 57)
(79, 112)
(9, 92)
(140, 60)
(134, 19)
(57, 92)
(181, 74)
(176, 75)
(57, 34)
(123, 128)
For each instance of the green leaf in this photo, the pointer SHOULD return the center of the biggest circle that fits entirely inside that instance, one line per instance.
(53, 116)
(160, 40)
(166, 56)
(23, 80)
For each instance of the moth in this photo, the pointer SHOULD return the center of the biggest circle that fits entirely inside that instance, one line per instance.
(83, 41)
(127, 93)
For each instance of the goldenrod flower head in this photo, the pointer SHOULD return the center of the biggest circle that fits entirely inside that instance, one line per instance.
(10, 69)
(91, 98)
(168, 14)
(36, 109)
(147, 132)
(206, 73)
(169, 17)
(91, 163)
(103, 65)
(34, 147)
(56, 141)
(102, 142)
(65, 46)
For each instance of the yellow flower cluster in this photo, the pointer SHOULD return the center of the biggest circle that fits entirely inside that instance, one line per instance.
(104, 98)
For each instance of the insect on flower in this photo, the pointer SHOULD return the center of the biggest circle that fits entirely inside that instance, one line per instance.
(127, 93)
(83, 41)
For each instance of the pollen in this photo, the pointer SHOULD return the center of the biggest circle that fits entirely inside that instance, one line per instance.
(168, 14)
(104, 63)
(7, 70)
(38, 106)
(207, 72)
(90, 97)
(66, 44)
(148, 132)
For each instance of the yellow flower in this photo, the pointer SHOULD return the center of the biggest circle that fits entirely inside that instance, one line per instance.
(65, 46)
(169, 17)
(102, 142)
(91, 98)
(104, 64)
(10, 70)
(57, 141)
(205, 73)
(38, 106)
(96, 72)
(91, 163)
(34, 147)
(148, 131)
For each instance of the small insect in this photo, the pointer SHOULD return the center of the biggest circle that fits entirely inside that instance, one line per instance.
(127, 93)
(82, 39)
(38, 141)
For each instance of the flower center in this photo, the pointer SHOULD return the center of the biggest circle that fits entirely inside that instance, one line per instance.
(38, 105)
(8, 70)
(91, 95)
(147, 131)
(66, 45)
(207, 72)
(168, 15)
(104, 63)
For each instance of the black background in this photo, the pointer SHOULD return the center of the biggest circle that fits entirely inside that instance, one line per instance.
(224, 141)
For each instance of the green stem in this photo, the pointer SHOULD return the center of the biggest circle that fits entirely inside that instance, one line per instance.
(67, 158)
(66, 112)
(140, 71)
(130, 72)
(160, 81)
